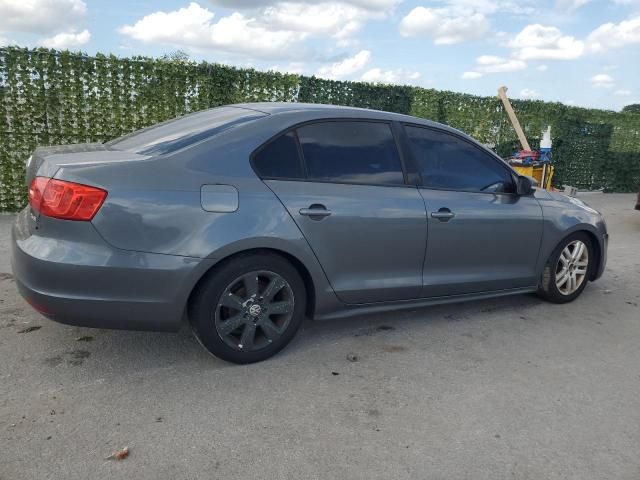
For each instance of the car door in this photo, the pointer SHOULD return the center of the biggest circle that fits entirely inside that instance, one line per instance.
(349, 199)
(482, 236)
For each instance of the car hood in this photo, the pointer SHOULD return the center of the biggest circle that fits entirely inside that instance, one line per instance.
(542, 194)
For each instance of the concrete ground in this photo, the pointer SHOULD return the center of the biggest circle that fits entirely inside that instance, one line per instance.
(511, 388)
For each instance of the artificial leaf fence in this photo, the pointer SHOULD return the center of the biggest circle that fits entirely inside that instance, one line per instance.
(49, 97)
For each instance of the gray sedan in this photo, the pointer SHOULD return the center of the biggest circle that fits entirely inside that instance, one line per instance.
(245, 219)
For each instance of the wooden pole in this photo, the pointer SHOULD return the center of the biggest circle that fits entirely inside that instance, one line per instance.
(502, 94)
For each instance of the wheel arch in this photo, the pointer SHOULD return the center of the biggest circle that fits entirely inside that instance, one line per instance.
(595, 244)
(554, 235)
(307, 278)
(597, 253)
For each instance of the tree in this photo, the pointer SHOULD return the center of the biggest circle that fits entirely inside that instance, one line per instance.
(179, 56)
(633, 108)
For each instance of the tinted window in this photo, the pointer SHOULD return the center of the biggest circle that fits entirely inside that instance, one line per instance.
(279, 158)
(448, 162)
(181, 132)
(358, 152)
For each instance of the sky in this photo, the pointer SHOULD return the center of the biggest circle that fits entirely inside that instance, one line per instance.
(579, 52)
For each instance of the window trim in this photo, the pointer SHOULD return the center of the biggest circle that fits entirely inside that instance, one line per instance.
(473, 143)
(295, 127)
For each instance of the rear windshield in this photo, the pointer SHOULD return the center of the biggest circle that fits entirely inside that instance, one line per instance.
(181, 132)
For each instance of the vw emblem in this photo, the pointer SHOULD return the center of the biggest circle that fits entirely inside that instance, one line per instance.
(255, 310)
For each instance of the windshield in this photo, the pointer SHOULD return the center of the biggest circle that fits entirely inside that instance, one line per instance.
(181, 132)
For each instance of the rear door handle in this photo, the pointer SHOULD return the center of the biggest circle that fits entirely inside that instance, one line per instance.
(444, 214)
(316, 210)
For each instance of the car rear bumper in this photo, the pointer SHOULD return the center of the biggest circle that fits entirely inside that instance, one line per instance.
(78, 279)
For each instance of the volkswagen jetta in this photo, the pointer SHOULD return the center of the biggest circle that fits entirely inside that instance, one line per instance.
(244, 219)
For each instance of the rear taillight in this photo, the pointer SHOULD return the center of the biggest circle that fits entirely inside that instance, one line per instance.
(65, 200)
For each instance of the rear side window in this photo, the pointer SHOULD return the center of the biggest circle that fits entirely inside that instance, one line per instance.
(450, 163)
(279, 158)
(351, 152)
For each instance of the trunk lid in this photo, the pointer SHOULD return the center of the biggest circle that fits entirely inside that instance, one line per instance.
(46, 161)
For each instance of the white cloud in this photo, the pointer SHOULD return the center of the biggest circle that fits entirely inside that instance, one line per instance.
(487, 7)
(346, 67)
(63, 41)
(471, 75)
(336, 19)
(292, 67)
(398, 75)
(537, 42)
(40, 16)
(542, 68)
(627, 3)
(370, 5)
(271, 29)
(622, 93)
(602, 80)
(615, 35)
(193, 27)
(493, 64)
(570, 5)
(529, 93)
(445, 25)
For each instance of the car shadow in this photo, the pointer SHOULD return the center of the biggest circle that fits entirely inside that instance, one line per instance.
(433, 315)
(112, 352)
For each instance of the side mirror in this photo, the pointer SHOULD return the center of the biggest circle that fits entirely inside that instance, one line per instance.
(525, 185)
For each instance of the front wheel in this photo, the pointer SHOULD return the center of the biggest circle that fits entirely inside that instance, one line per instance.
(249, 308)
(567, 271)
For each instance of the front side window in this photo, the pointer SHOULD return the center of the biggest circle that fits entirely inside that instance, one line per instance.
(351, 152)
(450, 163)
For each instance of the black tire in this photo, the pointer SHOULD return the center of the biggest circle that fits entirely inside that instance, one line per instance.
(548, 288)
(206, 308)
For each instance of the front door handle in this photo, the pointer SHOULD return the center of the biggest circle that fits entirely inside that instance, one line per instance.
(315, 212)
(444, 214)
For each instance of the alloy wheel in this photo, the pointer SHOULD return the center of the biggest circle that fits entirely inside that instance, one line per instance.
(254, 310)
(572, 267)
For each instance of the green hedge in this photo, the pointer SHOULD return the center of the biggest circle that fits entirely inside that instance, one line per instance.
(49, 97)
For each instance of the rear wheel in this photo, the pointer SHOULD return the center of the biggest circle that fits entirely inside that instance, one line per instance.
(249, 309)
(567, 271)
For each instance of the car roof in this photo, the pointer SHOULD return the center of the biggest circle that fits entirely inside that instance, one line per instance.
(325, 110)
